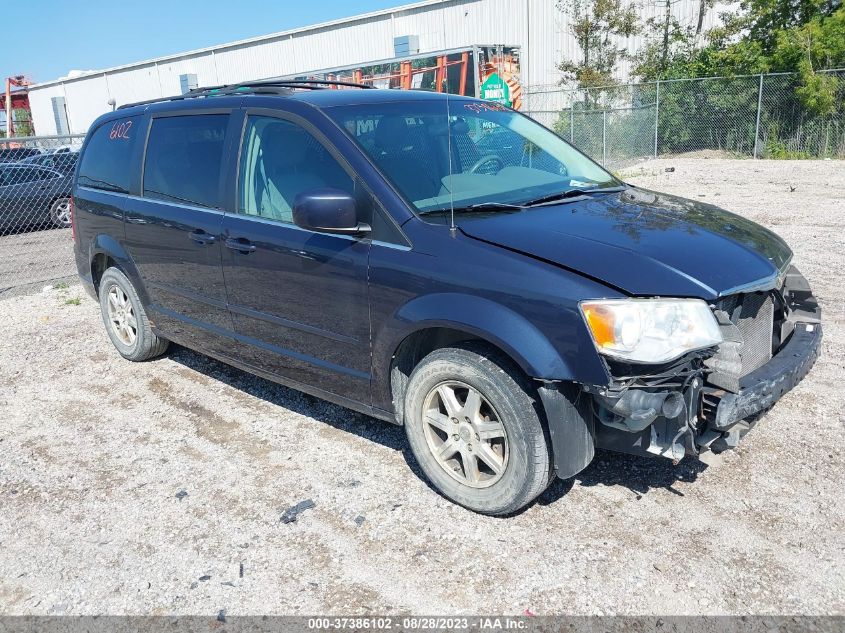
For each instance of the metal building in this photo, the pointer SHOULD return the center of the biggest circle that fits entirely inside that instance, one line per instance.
(532, 36)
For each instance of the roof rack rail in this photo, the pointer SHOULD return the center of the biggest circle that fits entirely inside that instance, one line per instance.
(266, 86)
(313, 84)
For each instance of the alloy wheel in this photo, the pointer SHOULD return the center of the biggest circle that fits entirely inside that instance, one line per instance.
(121, 316)
(61, 212)
(465, 434)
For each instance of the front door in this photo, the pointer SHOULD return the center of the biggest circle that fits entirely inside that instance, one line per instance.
(298, 299)
(173, 231)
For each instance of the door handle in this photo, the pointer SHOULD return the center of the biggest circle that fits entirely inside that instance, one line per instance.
(240, 244)
(202, 237)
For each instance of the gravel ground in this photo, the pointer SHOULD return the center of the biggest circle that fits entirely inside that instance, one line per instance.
(158, 488)
(34, 257)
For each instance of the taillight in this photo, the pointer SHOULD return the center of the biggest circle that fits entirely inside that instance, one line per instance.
(73, 219)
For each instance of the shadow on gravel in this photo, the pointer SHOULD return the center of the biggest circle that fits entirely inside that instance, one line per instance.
(638, 474)
(343, 419)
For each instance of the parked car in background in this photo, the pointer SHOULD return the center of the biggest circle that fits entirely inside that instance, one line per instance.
(60, 149)
(15, 154)
(33, 196)
(444, 263)
(63, 161)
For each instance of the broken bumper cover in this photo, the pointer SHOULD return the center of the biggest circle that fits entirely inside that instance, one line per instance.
(721, 418)
(760, 389)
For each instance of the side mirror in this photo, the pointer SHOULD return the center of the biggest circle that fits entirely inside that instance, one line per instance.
(328, 211)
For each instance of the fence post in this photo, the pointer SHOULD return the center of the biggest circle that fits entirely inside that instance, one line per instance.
(572, 123)
(604, 137)
(656, 115)
(759, 107)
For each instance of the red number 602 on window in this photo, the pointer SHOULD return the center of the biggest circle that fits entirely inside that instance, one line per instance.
(120, 130)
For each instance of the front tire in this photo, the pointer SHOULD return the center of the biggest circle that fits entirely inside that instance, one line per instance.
(473, 426)
(125, 319)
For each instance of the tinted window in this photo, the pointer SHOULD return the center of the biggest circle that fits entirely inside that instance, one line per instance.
(22, 176)
(472, 153)
(106, 163)
(184, 154)
(280, 160)
(65, 162)
(40, 174)
(17, 153)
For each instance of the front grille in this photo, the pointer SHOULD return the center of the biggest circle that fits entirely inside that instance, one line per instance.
(747, 324)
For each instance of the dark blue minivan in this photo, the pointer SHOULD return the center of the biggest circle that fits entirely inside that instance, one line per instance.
(443, 263)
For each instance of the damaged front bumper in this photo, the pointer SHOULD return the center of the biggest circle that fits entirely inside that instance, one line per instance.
(693, 405)
(731, 418)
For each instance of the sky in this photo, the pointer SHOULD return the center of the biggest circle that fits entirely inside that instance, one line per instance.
(56, 36)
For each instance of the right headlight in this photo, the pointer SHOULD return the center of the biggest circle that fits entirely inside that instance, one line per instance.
(650, 330)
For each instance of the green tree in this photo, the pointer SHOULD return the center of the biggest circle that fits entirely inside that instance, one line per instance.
(766, 36)
(816, 45)
(23, 124)
(669, 45)
(597, 26)
(762, 20)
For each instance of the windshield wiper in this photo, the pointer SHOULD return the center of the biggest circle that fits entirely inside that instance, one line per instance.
(477, 207)
(568, 194)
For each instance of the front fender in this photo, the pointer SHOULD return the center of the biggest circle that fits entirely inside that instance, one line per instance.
(490, 321)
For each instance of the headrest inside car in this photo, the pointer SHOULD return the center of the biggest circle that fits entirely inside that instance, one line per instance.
(392, 133)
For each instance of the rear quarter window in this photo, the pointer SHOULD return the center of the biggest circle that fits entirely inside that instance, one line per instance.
(107, 159)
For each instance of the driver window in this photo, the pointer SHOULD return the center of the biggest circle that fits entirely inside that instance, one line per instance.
(280, 160)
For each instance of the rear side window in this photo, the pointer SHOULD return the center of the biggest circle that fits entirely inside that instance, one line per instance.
(106, 163)
(183, 160)
(23, 176)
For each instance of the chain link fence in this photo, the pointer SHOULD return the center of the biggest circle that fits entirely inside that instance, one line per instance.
(36, 175)
(760, 116)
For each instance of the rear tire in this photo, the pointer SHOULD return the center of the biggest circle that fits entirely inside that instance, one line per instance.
(125, 319)
(473, 426)
(60, 212)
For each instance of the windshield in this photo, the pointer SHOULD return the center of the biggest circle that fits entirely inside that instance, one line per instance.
(499, 158)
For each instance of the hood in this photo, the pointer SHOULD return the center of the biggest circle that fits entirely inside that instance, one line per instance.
(643, 243)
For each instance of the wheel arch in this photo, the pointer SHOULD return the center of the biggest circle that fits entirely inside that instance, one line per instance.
(569, 425)
(106, 252)
(437, 320)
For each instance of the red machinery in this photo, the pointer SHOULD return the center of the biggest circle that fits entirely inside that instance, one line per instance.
(403, 75)
(16, 100)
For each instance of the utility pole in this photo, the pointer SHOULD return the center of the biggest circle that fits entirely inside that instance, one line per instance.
(757, 125)
(9, 126)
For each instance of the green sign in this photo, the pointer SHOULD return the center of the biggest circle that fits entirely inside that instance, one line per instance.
(496, 89)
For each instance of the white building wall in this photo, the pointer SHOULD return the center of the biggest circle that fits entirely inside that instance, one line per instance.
(41, 105)
(133, 85)
(536, 26)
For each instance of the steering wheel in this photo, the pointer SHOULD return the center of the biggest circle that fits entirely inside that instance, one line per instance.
(487, 159)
